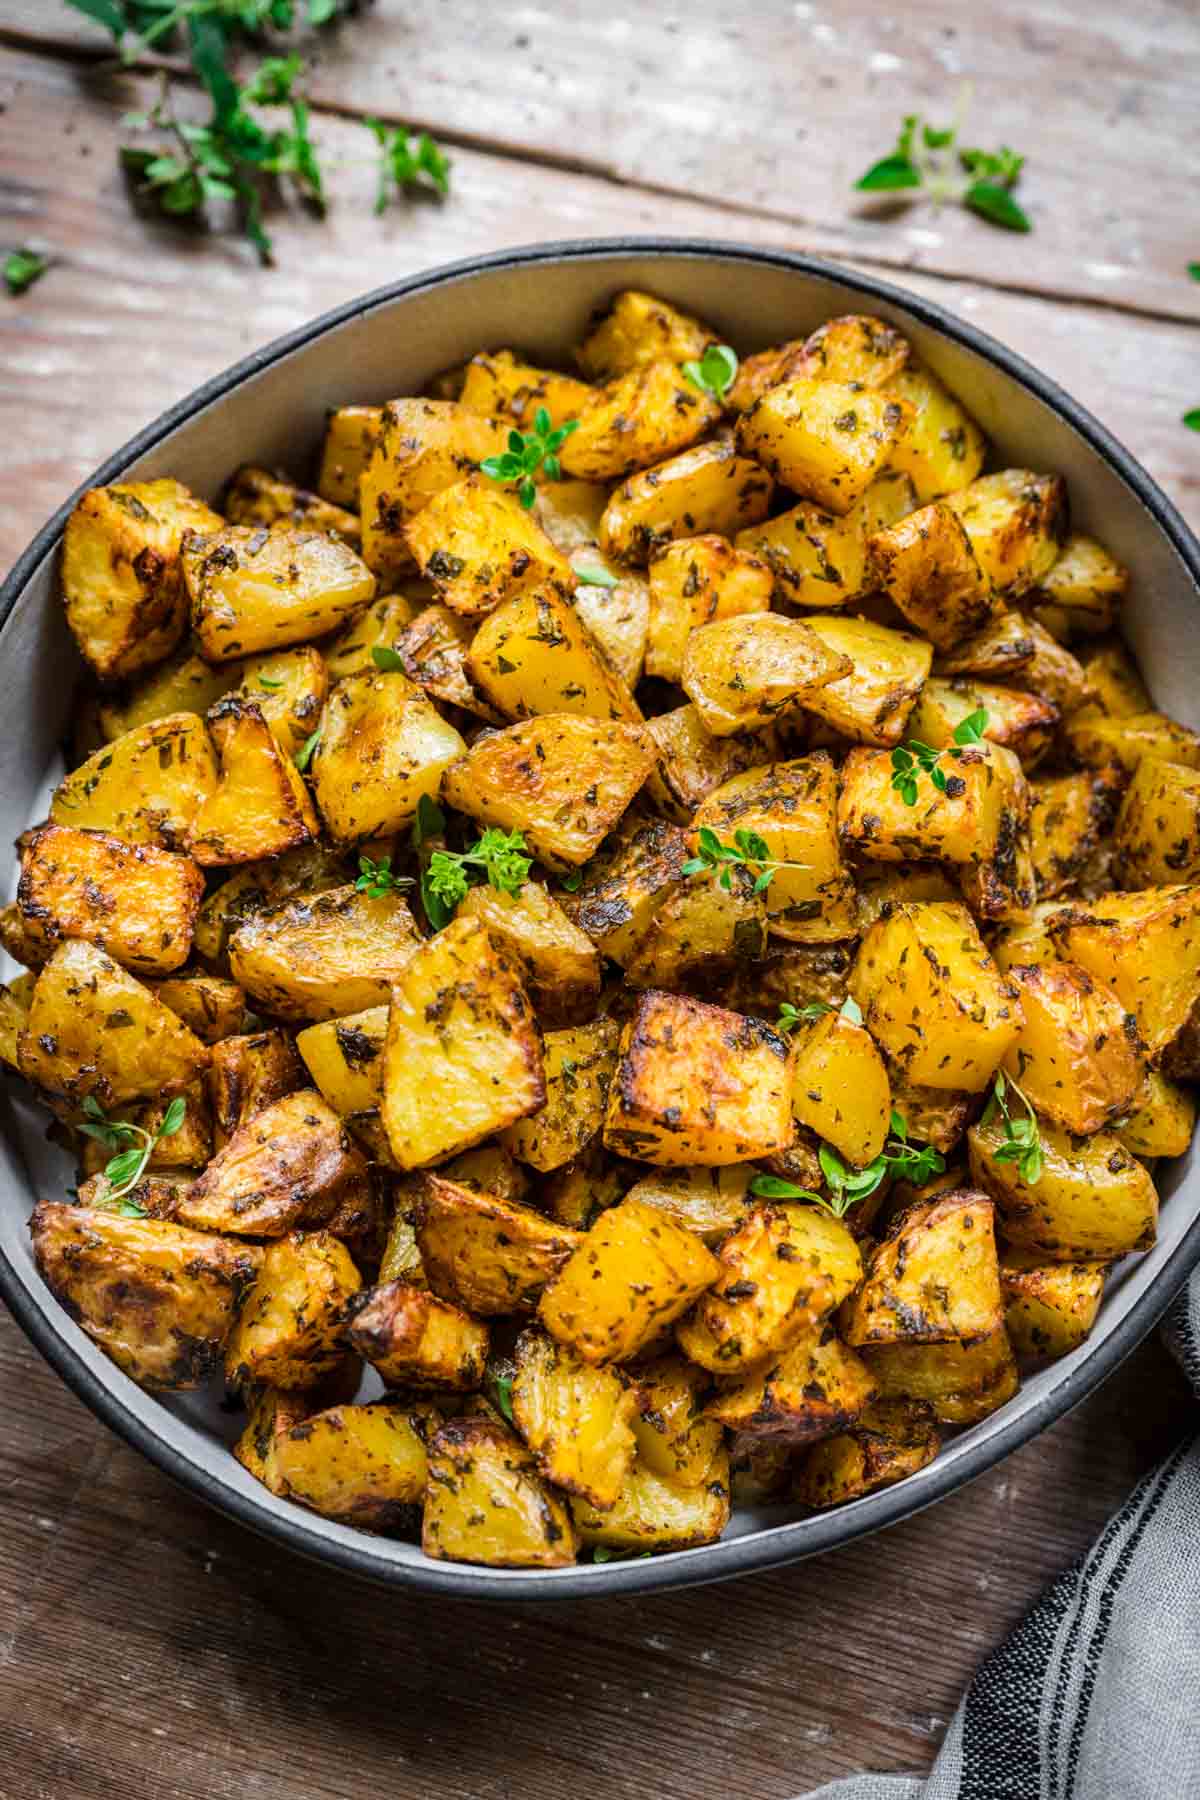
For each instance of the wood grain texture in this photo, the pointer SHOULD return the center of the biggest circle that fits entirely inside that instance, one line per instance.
(774, 109)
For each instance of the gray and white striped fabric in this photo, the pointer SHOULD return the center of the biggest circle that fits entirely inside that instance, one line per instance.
(1096, 1696)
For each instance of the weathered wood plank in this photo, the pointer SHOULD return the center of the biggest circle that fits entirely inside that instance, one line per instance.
(774, 109)
(138, 311)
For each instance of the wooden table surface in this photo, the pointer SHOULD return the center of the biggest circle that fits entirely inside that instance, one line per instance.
(151, 1650)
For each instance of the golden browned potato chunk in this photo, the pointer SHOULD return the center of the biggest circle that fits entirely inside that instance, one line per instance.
(345, 1058)
(416, 1340)
(463, 1056)
(891, 1439)
(124, 594)
(420, 448)
(705, 490)
(692, 582)
(254, 589)
(826, 440)
(1077, 1055)
(636, 420)
(817, 1387)
(1068, 817)
(617, 910)
(1050, 1307)
(692, 764)
(700, 927)
(246, 1075)
(633, 1275)
(941, 447)
(1161, 1119)
(312, 869)
(984, 805)
(840, 1087)
(258, 497)
(93, 1030)
(433, 649)
(289, 1330)
(819, 558)
(741, 673)
(1146, 948)
(674, 1438)
(655, 1513)
(558, 962)
(1158, 829)
(579, 1065)
(1099, 741)
(499, 382)
(935, 1278)
(933, 998)
(929, 570)
(260, 807)
(379, 626)
(577, 1419)
(269, 1413)
(854, 349)
(1004, 646)
(1080, 596)
(364, 1465)
(782, 1272)
(1017, 524)
(146, 787)
(872, 704)
(323, 955)
(617, 614)
(962, 1382)
(292, 1166)
(289, 689)
(1116, 684)
(1021, 721)
(480, 546)
(158, 1299)
(382, 746)
(562, 780)
(484, 1253)
(350, 437)
(1091, 1200)
(486, 1502)
(711, 1202)
(638, 329)
(208, 1004)
(697, 1084)
(185, 683)
(137, 902)
(14, 1013)
(535, 655)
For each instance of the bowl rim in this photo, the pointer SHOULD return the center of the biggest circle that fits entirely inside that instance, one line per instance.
(374, 1559)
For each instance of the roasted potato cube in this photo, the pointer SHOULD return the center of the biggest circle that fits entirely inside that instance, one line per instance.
(854, 349)
(816, 1388)
(260, 807)
(579, 1065)
(819, 558)
(379, 626)
(617, 910)
(692, 582)
(160, 1300)
(872, 704)
(692, 764)
(401, 1258)
(656, 1513)
(534, 655)
(350, 437)
(433, 649)
(569, 512)
(699, 927)
(363, 1465)
(1092, 1199)
(94, 1030)
(382, 746)
(618, 616)
(486, 1254)
(292, 1166)
(962, 1383)
(578, 1420)
(1050, 1307)
(258, 497)
(1080, 595)
(121, 576)
(782, 1272)
(826, 440)
(741, 673)
(638, 329)
(288, 1332)
(792, 806)
(420, 448)
(486, 1502)
(982, 809)
(935, 1277)
(840, 1087)
(798, 973)
(558, 962)
(312, 869)
(15, 997)
(145, 787)
(246, 1075)
(1158, 828)
(928, 568)
(480, 546)
(632, 1275)
(1021, 721)
(323, 955)
(1068, 816)
(289, 689)
(413, 1339)
(1017, 524)
(1146, 948)
(636, 420)
(183, 684)
(674, 1438)
(711, 1202)
(941, 448)
(932, 997)
(345, 1058)
(1099, 741)
(252, 589)
(135, 901)
(697, 1084)
(1161, 1119)
(497, 382)
(1053, 673)
(1004, 647)
(1077, 1055)
(1117, 688)
(884, 885)
(576, 1194)
(463, 1056)
(562, 780)
(706, 489)
(887, 1442)
(269, 1414)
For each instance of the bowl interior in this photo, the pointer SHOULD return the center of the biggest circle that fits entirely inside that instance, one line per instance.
(272, 412)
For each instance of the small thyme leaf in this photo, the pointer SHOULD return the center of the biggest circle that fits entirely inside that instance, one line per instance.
(387, 660)
(401, 166)
(304, 754)
(22, 268)
(591, 575)
(714, 373)
(376, 878)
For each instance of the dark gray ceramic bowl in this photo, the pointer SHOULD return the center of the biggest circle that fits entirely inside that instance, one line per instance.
(270, 409)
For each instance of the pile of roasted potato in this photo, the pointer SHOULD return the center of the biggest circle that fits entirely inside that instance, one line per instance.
(652, 909)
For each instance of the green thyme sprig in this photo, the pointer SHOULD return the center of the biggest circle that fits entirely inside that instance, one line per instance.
(791, 1016)
(132, 1146)
(22, 268)
(403, 166)
(715, 372)
(376, 878)
(915, 758)
(496, 858)
(747, 848)
(929, 158)
(1022, 1143)
(847, 1185)
(527, 453)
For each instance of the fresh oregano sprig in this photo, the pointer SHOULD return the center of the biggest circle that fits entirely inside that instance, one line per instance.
(132, 1147)
(790, 1016)
(847, 1185)
(527, 453)
(915, 758)
(930, 158)
(747, 848)
(376, 878)
(401, 166)
(715, 372)
(1022, 1142)
(497, 858)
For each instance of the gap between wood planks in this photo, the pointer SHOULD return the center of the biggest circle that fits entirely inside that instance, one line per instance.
(595, 168)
